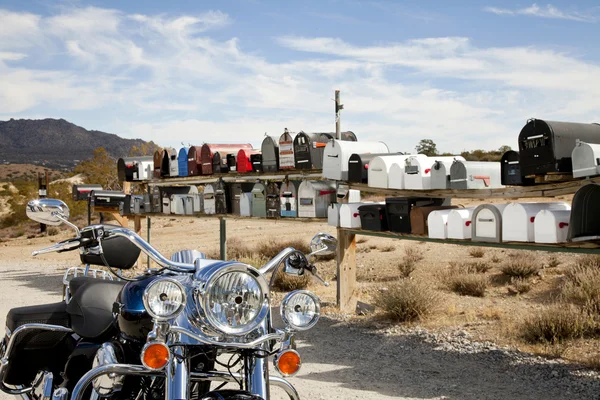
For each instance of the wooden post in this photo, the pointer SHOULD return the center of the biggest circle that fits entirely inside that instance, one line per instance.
(346, 271)
(223, 238)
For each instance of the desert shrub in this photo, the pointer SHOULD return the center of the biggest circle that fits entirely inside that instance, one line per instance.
(387, 249)
(557, 324)
(582, 286)
(407, 301)
(476, 252)
(479, 267)
(495, 259)
(52, 231)
(238, 249)
(286, 283)
(520, 267)
(465, 280)
(361, 240)
(589, 260)
(406, 268)
(553, 261)
(520, 285)
(413, 254)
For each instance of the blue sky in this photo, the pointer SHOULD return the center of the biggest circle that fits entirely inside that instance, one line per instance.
(467, 74)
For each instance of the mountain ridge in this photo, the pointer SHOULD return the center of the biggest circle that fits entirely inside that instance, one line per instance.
(56, 143)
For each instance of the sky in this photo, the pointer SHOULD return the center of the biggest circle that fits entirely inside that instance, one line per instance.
(466, 74)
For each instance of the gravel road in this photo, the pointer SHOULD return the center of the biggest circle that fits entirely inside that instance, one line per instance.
(344, 361)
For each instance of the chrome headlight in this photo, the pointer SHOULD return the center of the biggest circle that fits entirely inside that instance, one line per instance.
(164, 299)
(235, 298)
(300, 310)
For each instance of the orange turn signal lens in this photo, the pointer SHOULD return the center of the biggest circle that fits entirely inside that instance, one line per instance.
(287, 362)
(155, 355)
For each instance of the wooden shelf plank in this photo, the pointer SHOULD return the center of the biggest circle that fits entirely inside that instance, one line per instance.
(514, 192)
(575, 247)
(279, 176)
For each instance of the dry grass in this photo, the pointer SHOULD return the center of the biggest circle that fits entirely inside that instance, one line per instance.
(519, 285)
(582, 286)
(476, 252)
(407, 301)
(406, 268)
(413, 254)
(520, 267)
(552, 261)
(464, 279)
(271, 248)
(361, 240)
(557, 324)
(495, 259)
(387, 249)
(286, 283)
(409, 262)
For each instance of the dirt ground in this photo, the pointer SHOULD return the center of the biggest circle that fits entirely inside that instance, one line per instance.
(366, 357)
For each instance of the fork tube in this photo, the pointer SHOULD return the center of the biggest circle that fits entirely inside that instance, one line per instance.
(257, 369)
(178, 378)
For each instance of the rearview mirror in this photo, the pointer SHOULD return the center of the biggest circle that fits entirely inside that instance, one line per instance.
(323, 244)
(48, 211)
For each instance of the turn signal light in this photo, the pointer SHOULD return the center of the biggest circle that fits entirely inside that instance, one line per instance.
(155, 355)
(288, 362)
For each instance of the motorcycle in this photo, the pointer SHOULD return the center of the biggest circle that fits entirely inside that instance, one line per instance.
(170, 333)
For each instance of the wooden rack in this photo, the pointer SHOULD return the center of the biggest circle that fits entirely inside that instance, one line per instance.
(233, 177)
(346, 256)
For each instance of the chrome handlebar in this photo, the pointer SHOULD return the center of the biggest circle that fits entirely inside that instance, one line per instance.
(65, 245)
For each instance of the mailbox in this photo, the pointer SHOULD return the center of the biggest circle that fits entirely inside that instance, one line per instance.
(346, 195)
(337, 155)
(288, 194)
(222, 203)
(82, 192)
(182, 204)
(398, 211)
(270, 154)
(358, 166)
(131, 169)
(551, 226)
(156, 200)
(308, 150)
(259, 200)
(219, 163)
(106, 198)
(440, 174)
(333, 214)
(437, 224)
(486, 223)
(586, 159)
(169, 166)
(418, 171)
(166, 204)
(194, 161)
(373, 217)
(419, 217)
(459, 223)
(236, 195)
(209, 199)
(518, 220)
(208, 150)
(246, 204)
(273, 200)
(244, 163)
(231, 166)
(379, 171)
(511, 170)
(547, 146)
(256, 161)
(286, 150)
(157, 162)
(584, 223)
(314, 198)
(350, 216)
(475, 175)
(182, 161)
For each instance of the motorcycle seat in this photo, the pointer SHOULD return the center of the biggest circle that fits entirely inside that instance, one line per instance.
(91, 306)
(51, 314)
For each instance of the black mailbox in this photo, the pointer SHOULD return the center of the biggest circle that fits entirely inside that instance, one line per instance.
(82, 192)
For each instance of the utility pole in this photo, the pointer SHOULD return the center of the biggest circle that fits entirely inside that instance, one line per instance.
(338, 122)
(43, 185)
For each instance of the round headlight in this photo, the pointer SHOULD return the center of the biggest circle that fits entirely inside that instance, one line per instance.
(236, 299)
(164, 299)
(300, 310)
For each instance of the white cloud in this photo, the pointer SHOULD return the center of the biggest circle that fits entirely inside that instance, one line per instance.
(167, 78)
(544, 12)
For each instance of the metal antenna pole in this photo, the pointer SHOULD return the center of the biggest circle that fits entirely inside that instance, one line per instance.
(338, 119)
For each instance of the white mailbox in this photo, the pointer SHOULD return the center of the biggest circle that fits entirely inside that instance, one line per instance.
(314, 198)
(417, 171)
(586, 159)
(166, 205)
(338, 152)
(210, 206)
(333, 214)
(487, 223)
(246, 204)
(349, 215)
(182, 204)
(551, 226)
(379, 171)
(475, 175)
(437, 223)
(459, 223)
(519, 219)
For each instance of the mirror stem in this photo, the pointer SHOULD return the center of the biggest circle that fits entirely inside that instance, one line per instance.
(66, 221)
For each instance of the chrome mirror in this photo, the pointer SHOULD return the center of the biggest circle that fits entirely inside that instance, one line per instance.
(48, 211)
(323, 244)
(295, 264)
